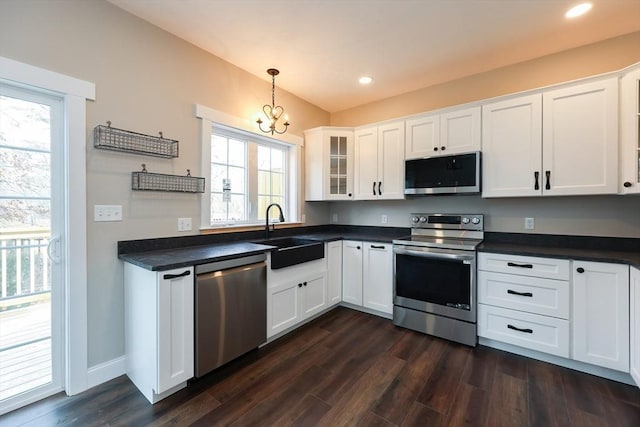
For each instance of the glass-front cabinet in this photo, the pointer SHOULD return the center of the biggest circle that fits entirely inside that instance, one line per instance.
(630, 132)
(328, 163)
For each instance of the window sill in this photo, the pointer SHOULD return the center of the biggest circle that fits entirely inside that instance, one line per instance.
(252, 227)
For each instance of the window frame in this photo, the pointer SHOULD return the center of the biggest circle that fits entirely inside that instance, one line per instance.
(212, 119)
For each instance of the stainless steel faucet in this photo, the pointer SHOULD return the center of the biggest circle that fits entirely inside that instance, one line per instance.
(281, 219)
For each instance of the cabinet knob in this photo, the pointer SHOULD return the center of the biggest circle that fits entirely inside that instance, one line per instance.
(627, 184)
(299, 285)
(443, 148)
(435, 148)
(580, 270)
(358, 247)
(305, 283)
(349, 194)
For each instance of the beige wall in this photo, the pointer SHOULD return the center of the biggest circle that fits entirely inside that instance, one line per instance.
(147, 81)
(608, 55)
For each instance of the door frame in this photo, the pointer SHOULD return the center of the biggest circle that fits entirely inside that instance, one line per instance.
(74, 93)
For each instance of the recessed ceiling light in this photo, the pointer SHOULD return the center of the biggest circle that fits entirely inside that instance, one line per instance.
(578, 10)
(365, 80)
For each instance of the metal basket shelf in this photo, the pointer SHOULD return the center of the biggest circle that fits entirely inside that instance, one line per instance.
(114, 139)
(147, 181)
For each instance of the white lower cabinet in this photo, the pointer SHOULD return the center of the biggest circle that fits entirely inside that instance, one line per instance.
(334, 272)
(634, 363)
(601, 314)
(578, 310)
(367, 275)
(542, 333)
(295, 294)
(352, 272)
(524, 301)
(159, 329)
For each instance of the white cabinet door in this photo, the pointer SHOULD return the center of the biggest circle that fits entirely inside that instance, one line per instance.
(391, 161)
(634, 367)
(422, 136)
(313, 295)
(175, 327)
(511, 147)
(334, 272)
(366, 164)
(601, 314)
(328, 164)
(352, 272)
(580, 139)
(283, 310)
(630, 132)
(377, 279)
(460, 131)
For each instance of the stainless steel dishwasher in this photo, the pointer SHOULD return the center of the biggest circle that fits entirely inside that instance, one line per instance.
(230, 310)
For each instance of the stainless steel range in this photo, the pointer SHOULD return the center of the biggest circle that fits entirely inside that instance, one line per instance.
(435, 276)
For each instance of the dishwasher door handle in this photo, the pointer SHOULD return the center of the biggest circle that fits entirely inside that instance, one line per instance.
(175, 276)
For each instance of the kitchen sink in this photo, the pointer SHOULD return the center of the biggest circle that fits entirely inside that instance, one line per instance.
(293, 250)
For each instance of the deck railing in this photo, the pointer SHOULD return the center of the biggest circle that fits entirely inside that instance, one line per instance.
(25, 268)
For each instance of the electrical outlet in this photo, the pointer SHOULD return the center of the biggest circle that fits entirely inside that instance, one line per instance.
(334, 217)
(529, 224)
(184, 224)
(384, 219)
(107, 213)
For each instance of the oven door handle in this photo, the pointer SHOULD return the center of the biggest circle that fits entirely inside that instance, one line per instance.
(466, 258)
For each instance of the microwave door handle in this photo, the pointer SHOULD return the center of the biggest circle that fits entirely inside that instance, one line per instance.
(466, 258)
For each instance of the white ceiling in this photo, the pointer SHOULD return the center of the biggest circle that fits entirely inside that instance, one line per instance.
(322, 47)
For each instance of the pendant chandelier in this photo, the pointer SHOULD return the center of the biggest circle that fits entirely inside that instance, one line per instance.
(273, 112)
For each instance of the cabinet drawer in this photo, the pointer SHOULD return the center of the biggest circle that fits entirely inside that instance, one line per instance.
(531, 294)
(549, 268)
(541, 333)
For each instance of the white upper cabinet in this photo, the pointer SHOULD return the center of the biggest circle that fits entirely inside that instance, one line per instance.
(452, 132)
(379, 162)
(511, 141)
(630, 133)
(560, 142)
(580, 139)
(328, 164)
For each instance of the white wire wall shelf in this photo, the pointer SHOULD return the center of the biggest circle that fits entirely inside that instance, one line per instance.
(114, 139)
(147, 181)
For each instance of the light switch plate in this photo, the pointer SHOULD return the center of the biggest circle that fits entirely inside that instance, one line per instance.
(103, 213)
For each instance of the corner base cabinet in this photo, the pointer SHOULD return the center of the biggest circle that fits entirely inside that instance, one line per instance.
(159, 329)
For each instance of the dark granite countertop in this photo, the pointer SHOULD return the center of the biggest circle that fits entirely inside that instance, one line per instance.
(582, 248)
(169, 253)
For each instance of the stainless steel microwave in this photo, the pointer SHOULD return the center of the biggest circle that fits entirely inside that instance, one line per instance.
(452, 174)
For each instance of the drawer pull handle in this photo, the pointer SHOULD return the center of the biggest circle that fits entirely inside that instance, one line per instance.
(528, 331)
(377, 247)
(580, 270)
(522, 294)
(175, 276)
(513, 264)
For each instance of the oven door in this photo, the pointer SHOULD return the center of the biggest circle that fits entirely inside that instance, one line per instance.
(437, 281)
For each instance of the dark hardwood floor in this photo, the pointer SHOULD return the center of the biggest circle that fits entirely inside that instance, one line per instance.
(352, 369)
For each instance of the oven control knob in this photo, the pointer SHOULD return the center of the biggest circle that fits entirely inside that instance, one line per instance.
(414, 219)
(465, 220)
(475, 220)
(423, 219)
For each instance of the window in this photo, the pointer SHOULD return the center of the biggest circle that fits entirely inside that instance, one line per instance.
(248, 172)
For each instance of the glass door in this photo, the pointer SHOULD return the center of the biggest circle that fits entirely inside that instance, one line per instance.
(31, 204)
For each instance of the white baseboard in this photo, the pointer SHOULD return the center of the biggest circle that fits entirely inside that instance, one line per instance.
(106, 371)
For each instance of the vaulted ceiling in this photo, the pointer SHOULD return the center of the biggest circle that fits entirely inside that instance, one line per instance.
(322, 47)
